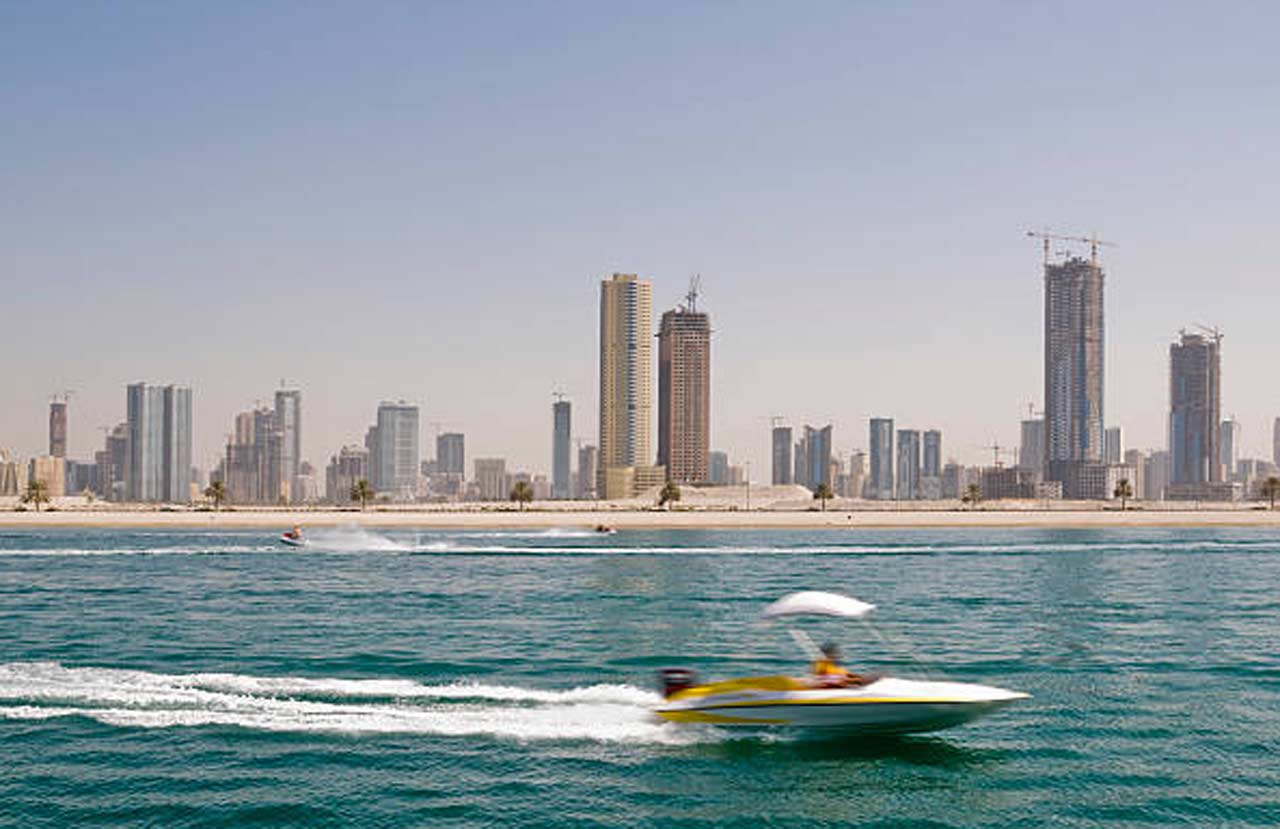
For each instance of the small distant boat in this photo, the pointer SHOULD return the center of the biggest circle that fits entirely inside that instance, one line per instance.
(293, 538)
(604, 530)
(871, 705)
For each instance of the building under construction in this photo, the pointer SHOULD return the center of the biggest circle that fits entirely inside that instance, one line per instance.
(1074, 340)
(684, 392)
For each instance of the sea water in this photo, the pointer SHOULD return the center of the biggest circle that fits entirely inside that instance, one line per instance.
(216, 678)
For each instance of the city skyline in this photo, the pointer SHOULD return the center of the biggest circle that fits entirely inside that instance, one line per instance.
(164, 235)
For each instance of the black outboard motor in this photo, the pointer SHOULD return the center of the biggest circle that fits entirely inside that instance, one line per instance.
(676, 679)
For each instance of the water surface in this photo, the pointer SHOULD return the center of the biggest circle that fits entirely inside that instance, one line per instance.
(504, 678)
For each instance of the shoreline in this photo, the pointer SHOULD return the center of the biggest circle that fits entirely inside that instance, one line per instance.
(623, 519)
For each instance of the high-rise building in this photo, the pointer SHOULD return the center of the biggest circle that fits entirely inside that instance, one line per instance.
(1195, 409)
(1112, 445)
(350, 465)
(856, 477)
(684, 393)
(586, 472)
(1031, 450)
(58, 429)
(1137, 462)
(1229, 448)
(1155, 478)
(931, 467)
(561, 448)
(176, 446)
(451, 454)
(908, 472)
(159, 463)
(1073, 366)
(491, 476)
(813, 455)
(719, 463)
(393, 457)
(112, 462)
(288, 414)
(782, 470)
(881, 452)
(1275, 442)
(626, 381)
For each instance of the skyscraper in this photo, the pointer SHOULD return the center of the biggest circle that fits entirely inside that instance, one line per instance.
(782, 471)
(1275, 442)
(719, 463)
(1229, 448)
(561, 437)
(58, 429)
(932, 465)
(1112, 445)
(350, 465)
(813, 455)
(451, 454)
(1195, 409)
(289, 421)
(684, 393)
(881, 443)
(1073, 366)
(1031, 450)
(159, 458)
(586, 472)
(394, 454)
(908, 477)
(626, 382)
(176, 446)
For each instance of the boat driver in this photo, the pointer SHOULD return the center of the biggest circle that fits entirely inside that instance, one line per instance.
(828, 672)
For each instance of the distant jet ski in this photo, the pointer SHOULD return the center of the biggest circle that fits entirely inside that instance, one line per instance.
(293, 538)
(829, 705)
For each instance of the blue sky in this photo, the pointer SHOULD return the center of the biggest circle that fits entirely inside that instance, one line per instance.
(407, 200)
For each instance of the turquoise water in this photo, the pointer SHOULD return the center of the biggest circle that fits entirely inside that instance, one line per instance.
(503, 679)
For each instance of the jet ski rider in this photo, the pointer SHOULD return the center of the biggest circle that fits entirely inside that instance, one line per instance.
(295, 533)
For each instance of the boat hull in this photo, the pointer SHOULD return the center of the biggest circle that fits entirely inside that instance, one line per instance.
(886, 706)
(293, 542)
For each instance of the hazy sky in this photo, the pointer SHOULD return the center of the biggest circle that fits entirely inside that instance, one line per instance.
(386, 200)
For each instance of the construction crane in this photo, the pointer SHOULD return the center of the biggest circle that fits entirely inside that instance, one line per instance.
(691, 296)
(996, 449)
(1092, 241)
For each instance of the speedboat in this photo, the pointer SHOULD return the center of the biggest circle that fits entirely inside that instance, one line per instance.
(825, 705)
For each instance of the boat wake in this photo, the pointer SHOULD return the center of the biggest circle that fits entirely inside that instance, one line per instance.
(141, 699)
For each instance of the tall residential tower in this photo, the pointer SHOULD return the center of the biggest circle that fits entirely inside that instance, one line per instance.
(626, 383)
(561, 438)
(1195, 406)
(1073, 367)
(684, 392)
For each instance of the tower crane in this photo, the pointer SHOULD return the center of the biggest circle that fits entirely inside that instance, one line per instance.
(1092, 241)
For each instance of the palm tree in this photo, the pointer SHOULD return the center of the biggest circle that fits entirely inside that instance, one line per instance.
(522, 493)
(216, 491)
(972, 495)
(823, 493)
(362, 492)
(1124, 491)
(669, 495)
(1270, 489)
(37, 493)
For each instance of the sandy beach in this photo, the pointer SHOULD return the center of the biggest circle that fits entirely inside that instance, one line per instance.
(502, 516)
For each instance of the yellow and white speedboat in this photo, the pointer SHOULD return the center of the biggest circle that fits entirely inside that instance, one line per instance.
(871, 705)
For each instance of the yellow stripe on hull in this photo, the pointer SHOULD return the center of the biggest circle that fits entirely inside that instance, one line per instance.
(691, 715)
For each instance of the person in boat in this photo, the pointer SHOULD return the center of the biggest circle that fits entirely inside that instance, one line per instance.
(828, 672)
(295, 533)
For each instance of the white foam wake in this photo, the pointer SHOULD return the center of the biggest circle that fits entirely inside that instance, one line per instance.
(605, 713)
